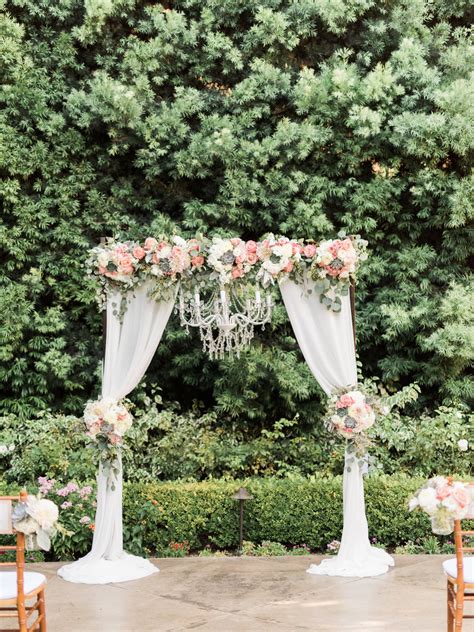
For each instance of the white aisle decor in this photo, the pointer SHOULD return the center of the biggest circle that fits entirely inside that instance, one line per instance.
(130, 345)
(226, 288)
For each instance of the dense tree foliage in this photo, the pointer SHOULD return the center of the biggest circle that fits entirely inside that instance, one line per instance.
(127, 117)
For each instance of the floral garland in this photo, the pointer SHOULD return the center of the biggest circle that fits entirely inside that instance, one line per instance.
(106, 422)
(445, 501)
(122, 266)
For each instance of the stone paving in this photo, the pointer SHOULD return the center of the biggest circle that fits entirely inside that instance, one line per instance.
(254, 595)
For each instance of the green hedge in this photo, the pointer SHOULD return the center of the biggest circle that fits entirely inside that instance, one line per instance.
(283, 510)
(289, 511)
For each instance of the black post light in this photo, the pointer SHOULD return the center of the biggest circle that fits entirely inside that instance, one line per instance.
(242, 495)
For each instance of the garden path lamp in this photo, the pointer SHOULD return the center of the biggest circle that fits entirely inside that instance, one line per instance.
(242, 495)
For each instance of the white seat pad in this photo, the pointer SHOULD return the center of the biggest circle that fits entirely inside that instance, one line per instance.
(8, 586)
(450, 568)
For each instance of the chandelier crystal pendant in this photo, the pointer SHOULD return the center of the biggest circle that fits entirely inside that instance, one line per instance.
(226, 318)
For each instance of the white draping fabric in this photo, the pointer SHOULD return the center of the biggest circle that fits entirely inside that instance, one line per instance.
(326, 341)
(130, 346)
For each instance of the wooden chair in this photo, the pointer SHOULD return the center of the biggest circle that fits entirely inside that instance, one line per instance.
(18, 586)
(460, 574)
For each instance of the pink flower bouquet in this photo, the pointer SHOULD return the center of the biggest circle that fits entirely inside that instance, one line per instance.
(349, 414)
(106, 421)
(445, 501)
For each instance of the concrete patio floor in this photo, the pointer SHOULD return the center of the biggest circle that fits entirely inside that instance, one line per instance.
(253, 595)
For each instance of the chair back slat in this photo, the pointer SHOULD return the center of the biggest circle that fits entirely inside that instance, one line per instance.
(470, 510)
(6, 516)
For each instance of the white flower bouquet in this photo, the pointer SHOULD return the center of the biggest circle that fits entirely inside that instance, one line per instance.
(231, 259)
(37, 518)
(444, 500)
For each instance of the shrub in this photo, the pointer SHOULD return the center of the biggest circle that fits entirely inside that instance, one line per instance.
(175, 517)
(242, 117)
(286, 511)
(169, 444)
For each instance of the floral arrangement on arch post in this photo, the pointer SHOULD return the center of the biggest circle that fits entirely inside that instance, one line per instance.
(106, 422)
(444, 500)
(352, 411)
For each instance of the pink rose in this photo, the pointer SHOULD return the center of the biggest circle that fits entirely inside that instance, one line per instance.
(461, 496)
(138, 252)
(251, 246)
(94, 428)
(297, 248)
(236, 273)
(346, 244)
(344, 401)
(333, 248)
(443, 491)
(194, 245)
(102, 270)
(252, 258)
(309, 250)
(156, 258)
(288, 267)
(114, 439)
(198, 261)
(126, 263)
(239, 259)
(235, 241)
(150, 244)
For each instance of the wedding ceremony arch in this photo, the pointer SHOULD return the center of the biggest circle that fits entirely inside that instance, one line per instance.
(224, 287)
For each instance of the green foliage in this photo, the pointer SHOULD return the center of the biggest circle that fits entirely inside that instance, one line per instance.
(285, 516)
(430, 545)
(216, 115)
(167, 444)
(288, 511)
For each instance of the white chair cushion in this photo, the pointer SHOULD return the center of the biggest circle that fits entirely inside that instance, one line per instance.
(8, 585)
(450, 568)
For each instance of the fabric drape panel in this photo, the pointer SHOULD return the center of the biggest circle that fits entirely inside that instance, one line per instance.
(326, 341)
(130, 346)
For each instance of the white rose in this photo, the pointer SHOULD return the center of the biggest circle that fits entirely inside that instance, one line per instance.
(3, 449)
(463, 445)
(44, 511)
(450, 504)
(122, 426)
(103, 259)
(179, 241)
(110, 417)
(428, 501)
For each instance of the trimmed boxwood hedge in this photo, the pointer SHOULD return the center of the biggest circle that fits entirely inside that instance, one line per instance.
(290, 511)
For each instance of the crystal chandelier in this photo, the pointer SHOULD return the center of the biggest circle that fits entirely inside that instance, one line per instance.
(226, 318)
